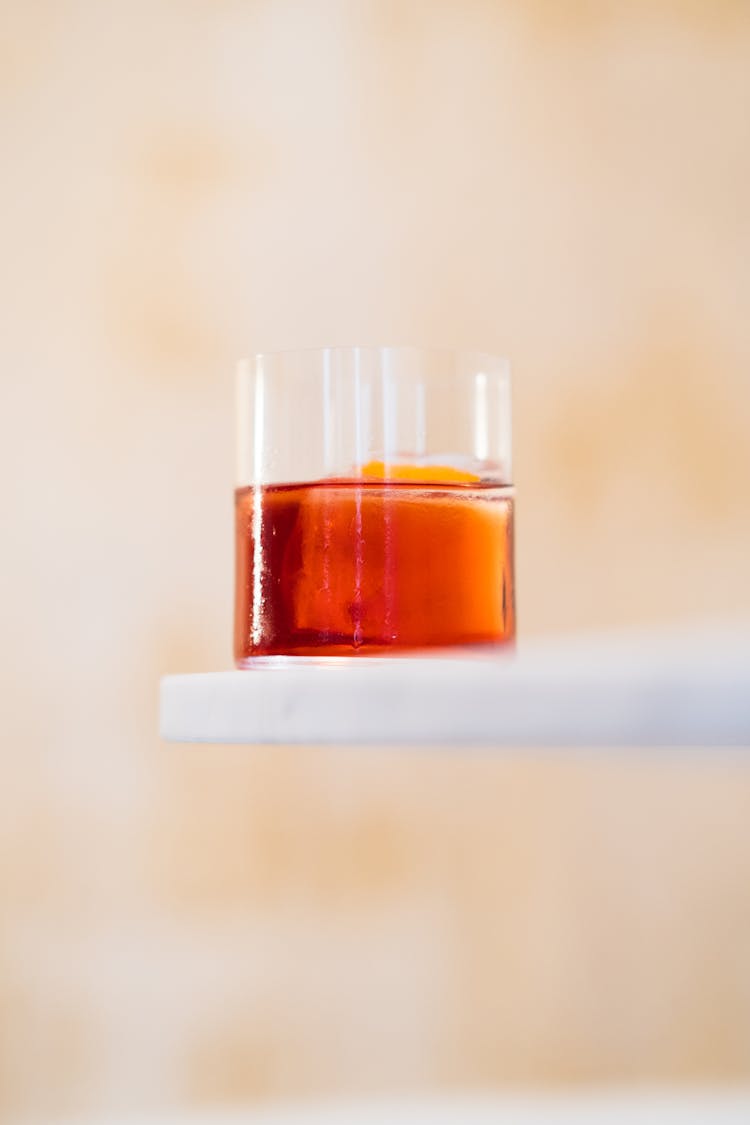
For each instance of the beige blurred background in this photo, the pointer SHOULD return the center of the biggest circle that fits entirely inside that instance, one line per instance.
(564, 182)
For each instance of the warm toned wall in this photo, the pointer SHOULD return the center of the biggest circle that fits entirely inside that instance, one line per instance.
(567, 183)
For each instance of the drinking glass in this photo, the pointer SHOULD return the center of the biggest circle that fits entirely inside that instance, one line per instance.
(374, 503)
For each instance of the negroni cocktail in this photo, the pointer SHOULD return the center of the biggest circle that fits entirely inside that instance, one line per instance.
(347, 567)
(357, 533)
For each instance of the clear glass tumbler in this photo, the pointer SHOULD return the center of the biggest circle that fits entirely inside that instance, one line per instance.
(374, 507)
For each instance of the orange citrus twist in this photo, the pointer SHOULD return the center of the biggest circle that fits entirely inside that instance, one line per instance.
(377, 470)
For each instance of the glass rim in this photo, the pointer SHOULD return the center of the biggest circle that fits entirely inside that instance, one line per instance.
(493, 361)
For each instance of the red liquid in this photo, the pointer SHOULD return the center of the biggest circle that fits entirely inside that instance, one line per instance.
(338, 568)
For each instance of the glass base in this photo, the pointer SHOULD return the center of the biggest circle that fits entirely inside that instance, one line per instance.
(381, 656)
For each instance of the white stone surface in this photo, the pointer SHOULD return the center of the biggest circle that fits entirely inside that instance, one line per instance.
(686, 688)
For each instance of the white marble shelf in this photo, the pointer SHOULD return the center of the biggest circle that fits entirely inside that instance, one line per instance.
(682, 689)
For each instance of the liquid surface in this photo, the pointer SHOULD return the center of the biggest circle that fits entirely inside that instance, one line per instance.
(338, 568)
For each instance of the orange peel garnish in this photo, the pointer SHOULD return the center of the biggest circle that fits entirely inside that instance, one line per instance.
(432, 474)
